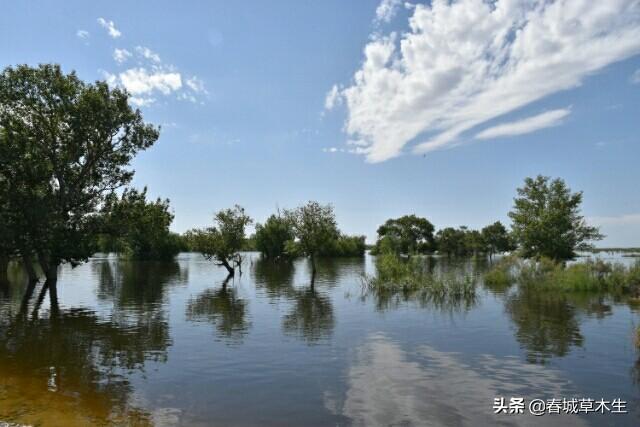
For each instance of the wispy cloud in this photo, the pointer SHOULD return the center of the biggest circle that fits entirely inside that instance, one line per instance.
(386, 10)
(466, 62)
(528, 125)
(110, 26)
(121, 55)
(333, 98)
(82, 34)
(147, 53)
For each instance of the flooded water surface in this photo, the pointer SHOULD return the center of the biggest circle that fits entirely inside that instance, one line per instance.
(143, 343)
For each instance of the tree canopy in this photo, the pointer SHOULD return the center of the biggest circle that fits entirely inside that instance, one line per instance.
(408, 234)
(140, 228)
(272, 237)
(547, 221)
(315, 229)
(66, 145)
(224, 241)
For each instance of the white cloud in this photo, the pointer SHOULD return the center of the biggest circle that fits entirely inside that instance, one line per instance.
(82, 34)
(196, 85)
(121, 55)
(635, 77)
(386, 10)
(466, 62)
(528, 125)
(333, 98)
(110, 27)
(140, 81)
(141, 101)
(147, 53)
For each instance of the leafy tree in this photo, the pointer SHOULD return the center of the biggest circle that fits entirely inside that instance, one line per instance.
(272, 237)
(410, 233)
(473, 242)
(314, 226)
(224, 241)
(451, 241)
(67, 144)
(547, 221)
(496, 238)
(140, 228)
(347, 246)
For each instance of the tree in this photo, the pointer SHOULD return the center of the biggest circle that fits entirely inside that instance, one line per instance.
(140, 228)
(547, 221)
(496, 238)
(314, 226)
(67, 145)
(272, 237)
(410, 234)
(224, 241)
(451, 241)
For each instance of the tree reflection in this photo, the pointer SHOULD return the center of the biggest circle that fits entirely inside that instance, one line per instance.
(546, 324)
(223, 308)
(311, 317)
(71, 364)
(275, 278)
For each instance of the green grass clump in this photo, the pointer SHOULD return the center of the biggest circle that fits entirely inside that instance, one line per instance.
(395, 273)
(589, 276)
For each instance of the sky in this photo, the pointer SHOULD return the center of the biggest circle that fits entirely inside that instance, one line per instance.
(438, 109)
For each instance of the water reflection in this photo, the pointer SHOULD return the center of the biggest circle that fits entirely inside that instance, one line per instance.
(137, 284)
(71, 366)
(224, 309)
(387, 385)
(311, 317)
(274, 278)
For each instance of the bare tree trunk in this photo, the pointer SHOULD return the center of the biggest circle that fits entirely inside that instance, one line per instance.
(4, 268)
(226, 265)
(27, 261)
(313, 272)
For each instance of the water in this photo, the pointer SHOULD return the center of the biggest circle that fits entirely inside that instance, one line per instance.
(141, 343)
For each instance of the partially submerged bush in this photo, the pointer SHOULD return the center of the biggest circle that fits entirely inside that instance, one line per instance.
(395, 273)
(580, 277)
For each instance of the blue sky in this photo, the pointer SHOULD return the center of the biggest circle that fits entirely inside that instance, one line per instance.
(381, 109)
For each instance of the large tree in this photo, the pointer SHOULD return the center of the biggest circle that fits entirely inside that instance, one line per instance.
(315, 229)
(67, 144)
(410, 234)
(547, 221)
(223, 242)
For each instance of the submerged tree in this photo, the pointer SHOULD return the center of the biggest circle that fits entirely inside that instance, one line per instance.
(315, 229)
(547, 221)
(407, 235)
(140, 228)
(67, 144)
(496, 239)
(272, 237)
(224, 241)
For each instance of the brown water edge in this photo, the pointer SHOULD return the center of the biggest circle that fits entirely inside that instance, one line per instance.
(27, 398)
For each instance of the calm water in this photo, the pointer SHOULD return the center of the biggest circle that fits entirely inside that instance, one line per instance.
(136, 343)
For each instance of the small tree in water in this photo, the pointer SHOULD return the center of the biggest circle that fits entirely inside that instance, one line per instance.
(222, 242)
(315, 229)
(547, 221)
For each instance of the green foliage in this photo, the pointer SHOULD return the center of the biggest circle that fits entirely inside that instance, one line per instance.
(452, 241)
(547, 221)
(315, 229)
(139, 228)
(394, 273)
(224, 241)
(496, 239)
(272, 237)
(346, 246)
(66, 145)
(408, 234)
(546, 274)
